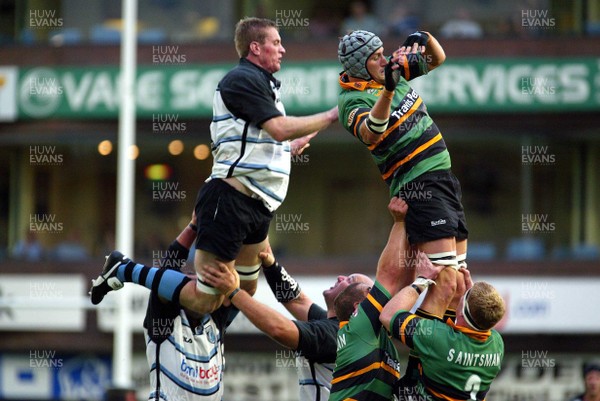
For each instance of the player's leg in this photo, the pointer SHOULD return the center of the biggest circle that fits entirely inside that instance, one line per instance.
(225, 219)
(440, 252)
(433, 224)
(206, 298)
(118, 269)
(248, 265)
(461, 252)
(247, 262)
(462, 230)
(169, 284)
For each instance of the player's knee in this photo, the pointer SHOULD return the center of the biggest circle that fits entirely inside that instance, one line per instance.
(248, 277)
(249, 286)
(207, 298)
(206, 303)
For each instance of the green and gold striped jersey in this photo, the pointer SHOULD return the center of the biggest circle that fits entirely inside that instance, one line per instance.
(367, 364)
(411, 145)
(457, 363)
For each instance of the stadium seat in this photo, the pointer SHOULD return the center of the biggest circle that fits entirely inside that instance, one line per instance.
(481, 251)
(27, 37)
(67, 36)
(100, 34)
(561, 253)
(585, 252)
(593, 28)
(152, 36)
(525, 248)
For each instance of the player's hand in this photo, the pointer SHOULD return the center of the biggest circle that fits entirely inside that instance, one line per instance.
(221, 277)
(299, 145)
(267, 257)
(425, 268)
(398, 208)
(467, 277)
(420, 38)
(392, 76)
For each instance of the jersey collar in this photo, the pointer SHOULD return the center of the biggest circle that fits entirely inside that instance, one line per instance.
(474, 334)
(345, 83)
(276, 82)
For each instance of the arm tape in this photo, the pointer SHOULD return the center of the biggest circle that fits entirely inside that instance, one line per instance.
(421, 283)
(284, 287)
(376, 125)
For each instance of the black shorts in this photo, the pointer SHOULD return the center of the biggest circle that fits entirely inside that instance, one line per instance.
(227, 219)
(434, 208)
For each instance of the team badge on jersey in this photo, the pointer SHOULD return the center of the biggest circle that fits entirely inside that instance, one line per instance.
(210, 334)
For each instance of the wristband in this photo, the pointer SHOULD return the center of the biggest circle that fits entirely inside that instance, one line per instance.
(193, 227)
(230, 296)
(284, 287)
(422, 283)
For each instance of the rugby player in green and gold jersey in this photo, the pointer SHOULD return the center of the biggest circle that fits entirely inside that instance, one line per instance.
(458, 361)
(378, 106)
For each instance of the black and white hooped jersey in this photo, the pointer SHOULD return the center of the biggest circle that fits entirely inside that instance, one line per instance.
(245, 98)
(315, 355)
(186, 361)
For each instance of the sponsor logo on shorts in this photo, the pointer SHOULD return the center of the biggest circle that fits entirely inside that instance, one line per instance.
(438, 222)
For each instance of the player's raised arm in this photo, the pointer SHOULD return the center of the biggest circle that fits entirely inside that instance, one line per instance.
(283, 128)
(429, 46)
(285, 288)
(391, 268)
(265, 318)
(406, 298)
